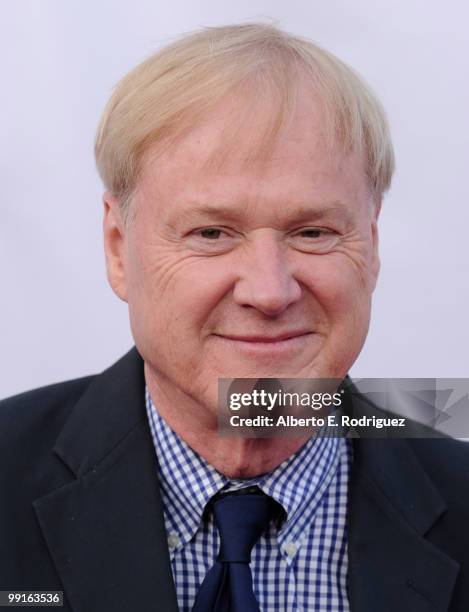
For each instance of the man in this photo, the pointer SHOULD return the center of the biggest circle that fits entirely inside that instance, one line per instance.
(244, 172)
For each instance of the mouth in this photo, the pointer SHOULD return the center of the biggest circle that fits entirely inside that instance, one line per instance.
(264, 344)
(266, 339)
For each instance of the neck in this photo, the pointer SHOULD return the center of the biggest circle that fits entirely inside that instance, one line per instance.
(197, 425)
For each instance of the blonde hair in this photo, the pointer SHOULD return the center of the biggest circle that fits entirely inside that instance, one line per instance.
(161, 100)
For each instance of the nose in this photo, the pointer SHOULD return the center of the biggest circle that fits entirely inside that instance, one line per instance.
(265, 280)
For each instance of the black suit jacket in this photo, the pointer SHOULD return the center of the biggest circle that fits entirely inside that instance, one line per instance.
(81, 511)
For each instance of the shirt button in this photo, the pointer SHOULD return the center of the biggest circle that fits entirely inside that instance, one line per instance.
(290, 549)
(173, 541)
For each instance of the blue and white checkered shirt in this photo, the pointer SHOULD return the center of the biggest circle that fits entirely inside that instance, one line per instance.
(300, 565)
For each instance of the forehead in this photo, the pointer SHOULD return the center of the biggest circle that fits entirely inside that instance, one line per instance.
(241, 152)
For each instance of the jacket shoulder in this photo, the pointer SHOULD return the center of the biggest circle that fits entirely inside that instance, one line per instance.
(42, 411)
(447, 461)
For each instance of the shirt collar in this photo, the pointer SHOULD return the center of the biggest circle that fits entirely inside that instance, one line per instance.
(188, 482)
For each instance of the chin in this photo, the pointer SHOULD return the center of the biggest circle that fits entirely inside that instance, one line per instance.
(273, 369)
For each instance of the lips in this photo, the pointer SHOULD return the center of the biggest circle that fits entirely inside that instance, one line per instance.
(289, 335)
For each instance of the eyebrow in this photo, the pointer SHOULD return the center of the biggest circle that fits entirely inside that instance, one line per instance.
(296, 214)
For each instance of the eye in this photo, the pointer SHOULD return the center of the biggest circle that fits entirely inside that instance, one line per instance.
(315, 239)
(312, 233)
(211, 240)
(212, 233)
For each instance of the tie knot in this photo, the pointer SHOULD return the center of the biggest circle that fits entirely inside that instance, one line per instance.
(241, 519)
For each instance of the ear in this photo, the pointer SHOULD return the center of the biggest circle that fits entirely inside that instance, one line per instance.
(115, 245)
(375, 262)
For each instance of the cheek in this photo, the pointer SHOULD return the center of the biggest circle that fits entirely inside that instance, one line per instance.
(174, 295)
(326, 276)
(337, 284)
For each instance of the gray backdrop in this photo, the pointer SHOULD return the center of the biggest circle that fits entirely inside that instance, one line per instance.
(58, 62)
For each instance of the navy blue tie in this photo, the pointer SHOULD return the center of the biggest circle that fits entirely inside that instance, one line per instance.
(241, 518)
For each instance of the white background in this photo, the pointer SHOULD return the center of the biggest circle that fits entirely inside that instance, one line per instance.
(59, 60)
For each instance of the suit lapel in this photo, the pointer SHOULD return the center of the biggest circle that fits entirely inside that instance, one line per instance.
(392, 505)
(105, 529)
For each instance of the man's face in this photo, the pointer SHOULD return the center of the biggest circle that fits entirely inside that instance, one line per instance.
(249, 269)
